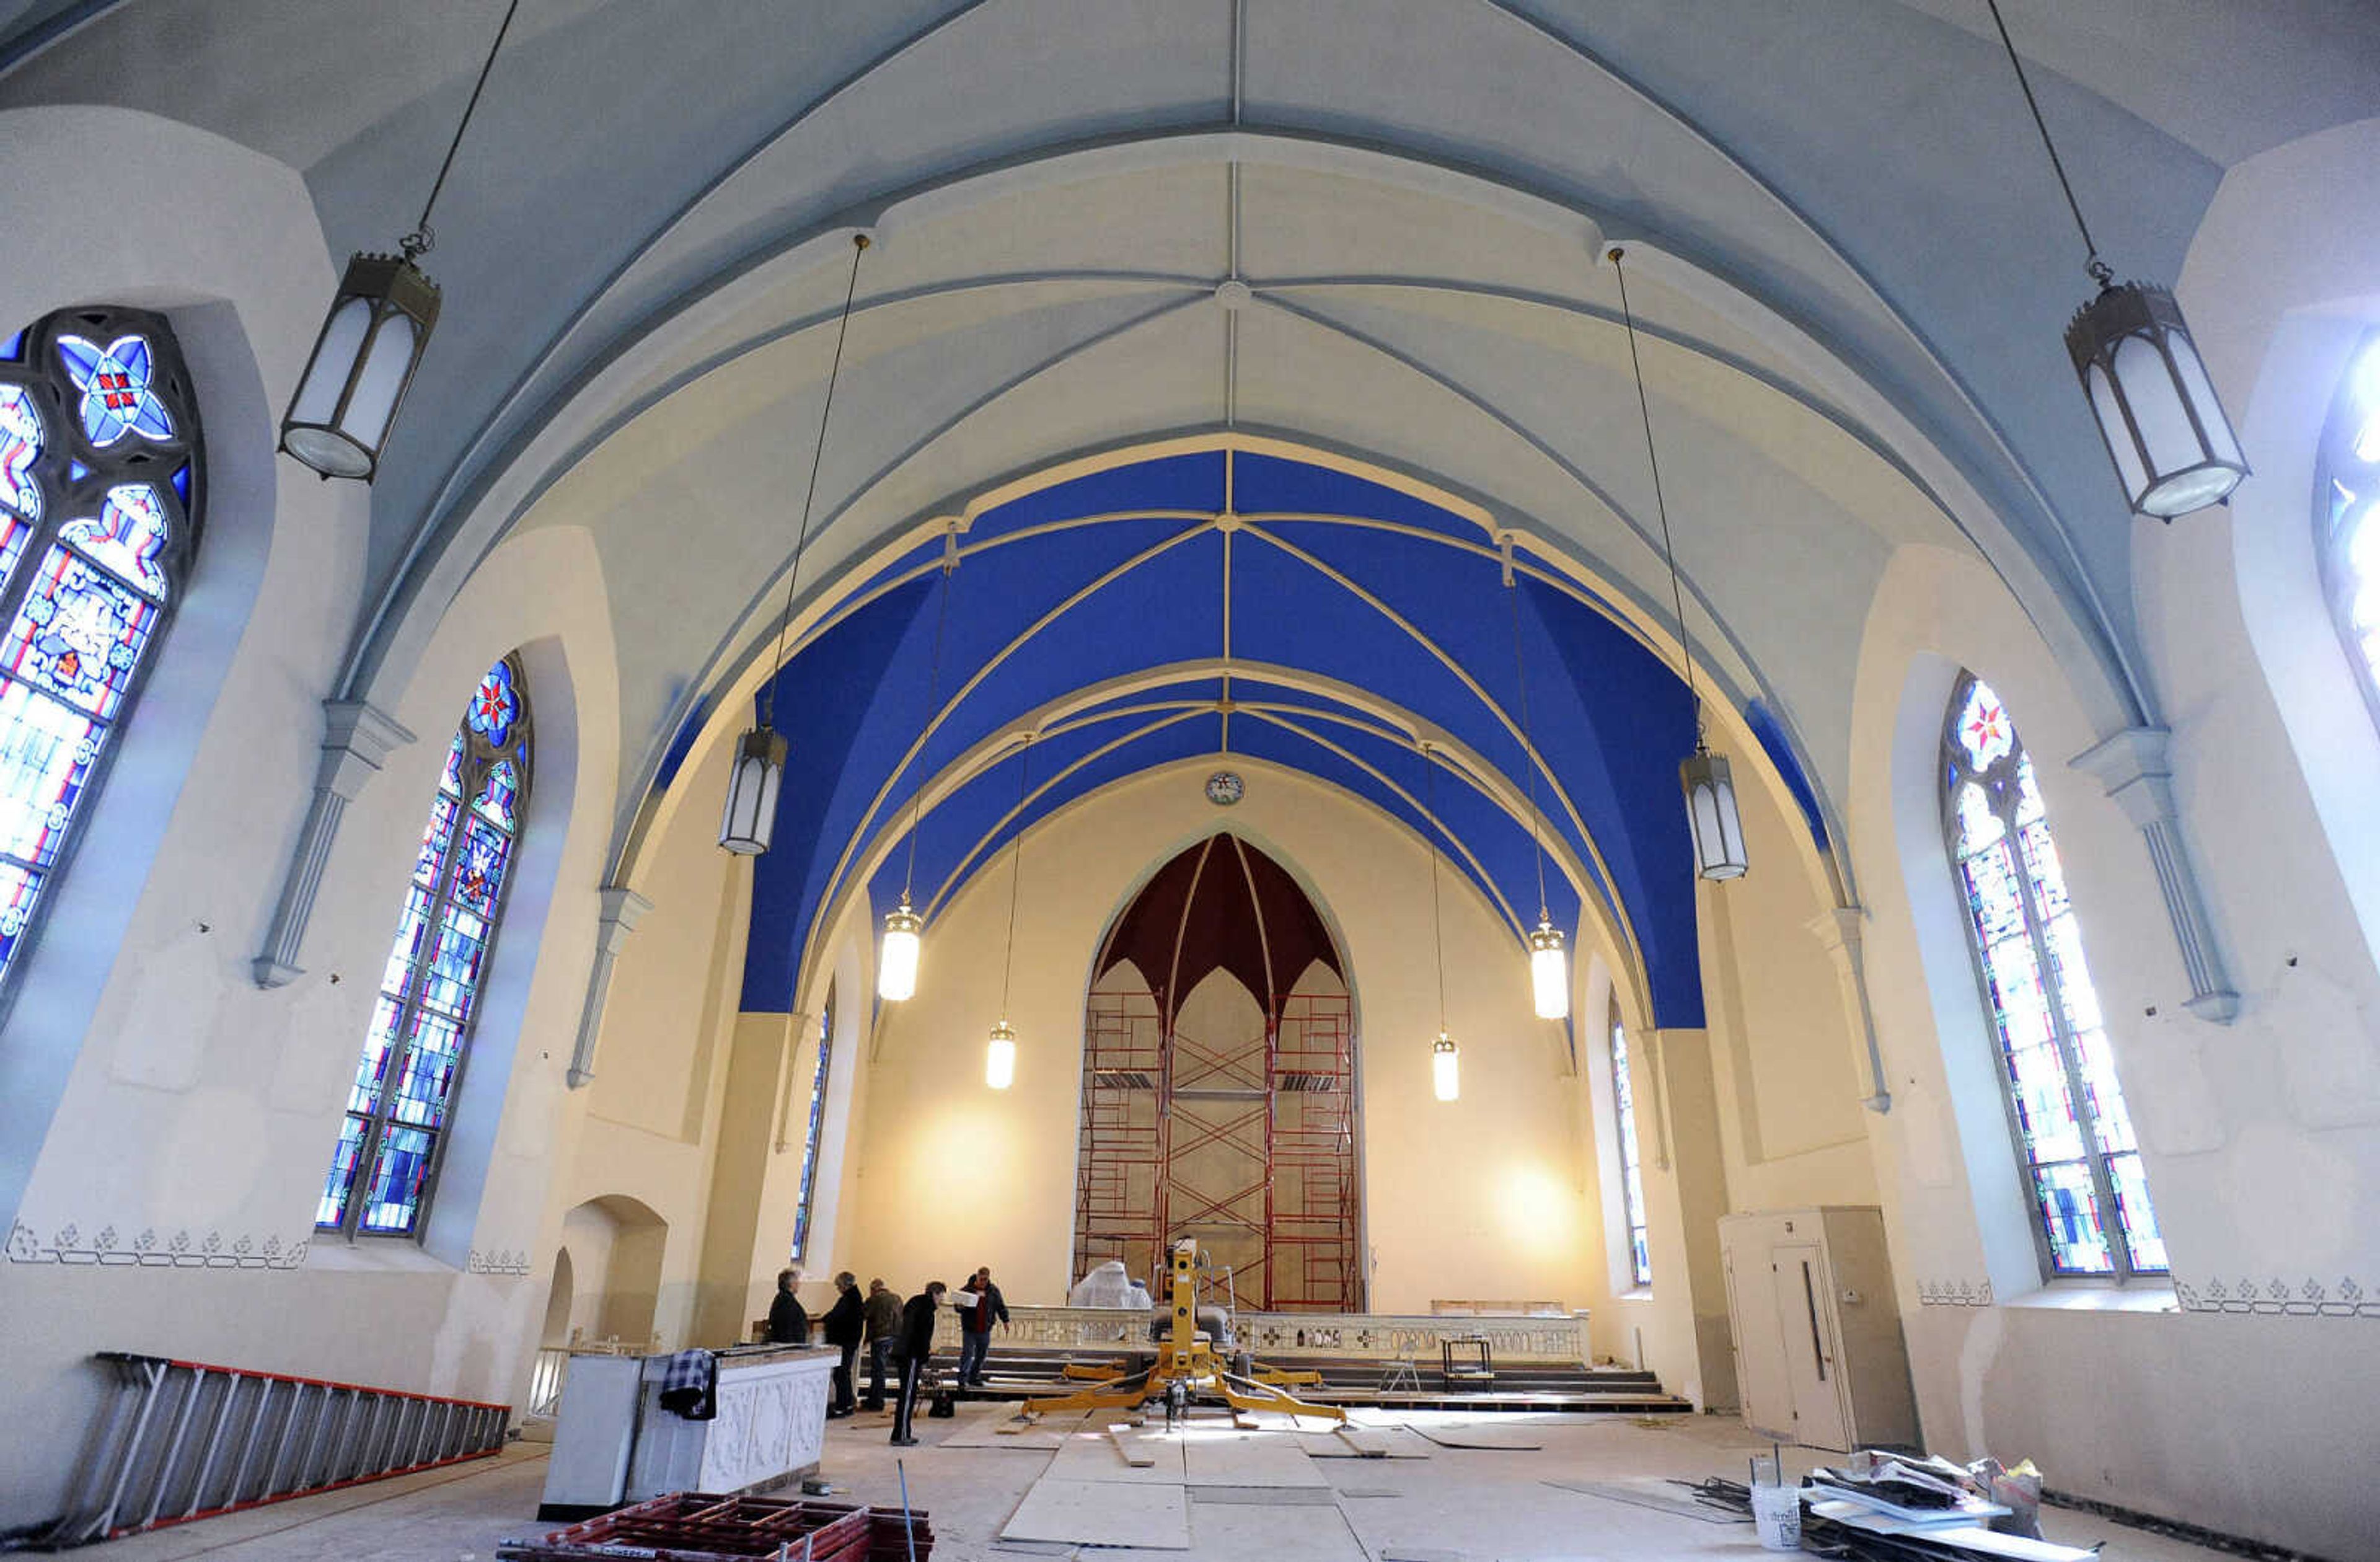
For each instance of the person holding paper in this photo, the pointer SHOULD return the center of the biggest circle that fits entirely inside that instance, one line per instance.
(978, 1305)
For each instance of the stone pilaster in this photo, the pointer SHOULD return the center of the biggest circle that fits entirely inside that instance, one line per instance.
(622, 909)
(357, 736)
(2134, 766)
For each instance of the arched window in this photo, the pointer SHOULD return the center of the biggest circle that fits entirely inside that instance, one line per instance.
(1632, 1175)
(98, 504)
(385, 1166)
(2066, 1113)
(816, 1127)
(2347, 542)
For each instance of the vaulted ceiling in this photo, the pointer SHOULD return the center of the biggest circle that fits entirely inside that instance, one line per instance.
(1848, 257)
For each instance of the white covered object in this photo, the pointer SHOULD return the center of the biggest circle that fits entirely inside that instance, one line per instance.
(1108, 1285)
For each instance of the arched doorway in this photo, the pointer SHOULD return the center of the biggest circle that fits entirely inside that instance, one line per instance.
(1219, 1085)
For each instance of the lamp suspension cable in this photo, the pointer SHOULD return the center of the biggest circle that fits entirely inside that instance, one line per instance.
(1712, 818)
(1528, 744)
(933, 695)
(1437, 928)
(418, 243)
(809, 492)
(1660, 508)
(1016, 868)
(2101, 272)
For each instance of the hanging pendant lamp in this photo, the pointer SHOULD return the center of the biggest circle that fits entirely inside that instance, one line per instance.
(1445, 1057)
(371, 341)
(748, 821)
(1548, 966)
(1000, 1054)
(1711, 813)
(2157, 412)
(903, 945)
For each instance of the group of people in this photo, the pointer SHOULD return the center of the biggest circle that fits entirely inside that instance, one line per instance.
(898, 1335)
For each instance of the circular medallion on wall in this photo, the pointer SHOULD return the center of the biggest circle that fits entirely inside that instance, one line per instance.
(1225, 787)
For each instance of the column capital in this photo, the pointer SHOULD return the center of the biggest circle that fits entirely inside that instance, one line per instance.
(357, 737)
(2135, 768)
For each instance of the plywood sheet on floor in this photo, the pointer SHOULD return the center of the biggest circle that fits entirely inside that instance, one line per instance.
(1093, 1456)
(1117, 1513)
(1249, 1459)
(1241, 1534)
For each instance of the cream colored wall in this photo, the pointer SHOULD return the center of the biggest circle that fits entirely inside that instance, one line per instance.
(1787, 1065)
(1479, 1198)
(652, 1115)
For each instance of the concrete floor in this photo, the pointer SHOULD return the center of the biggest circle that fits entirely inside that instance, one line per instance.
(1480, 1506)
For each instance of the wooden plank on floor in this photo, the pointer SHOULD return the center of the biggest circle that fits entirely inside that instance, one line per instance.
(1394, 1442)
(1093, 1456)
(1268, 1458)
(1502, 1438)
(1146, 1516)
(1130, 1448)
(1365, 1445)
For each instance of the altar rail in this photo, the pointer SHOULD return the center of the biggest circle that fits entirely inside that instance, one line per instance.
(1379, 1335)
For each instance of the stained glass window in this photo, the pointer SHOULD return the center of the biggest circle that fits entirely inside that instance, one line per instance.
(384, 1166)
(98, 447)
(2074, 1137)
(817, 1125)
(2347, 494)
(1632, 1175)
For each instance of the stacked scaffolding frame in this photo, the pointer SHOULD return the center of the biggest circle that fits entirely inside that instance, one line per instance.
(1282, 1105)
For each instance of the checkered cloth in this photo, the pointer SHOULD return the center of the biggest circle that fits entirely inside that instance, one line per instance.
(690, 1384)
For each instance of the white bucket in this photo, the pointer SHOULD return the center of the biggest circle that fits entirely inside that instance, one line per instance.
(1776, 1510)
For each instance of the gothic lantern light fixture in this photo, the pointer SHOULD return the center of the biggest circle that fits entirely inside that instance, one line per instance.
(749, 819)
(1000, 1055)
(896, 961)
(2156, 410)
(1445, 1061)
(372, 340)
(1548, 966)
(1710, 792)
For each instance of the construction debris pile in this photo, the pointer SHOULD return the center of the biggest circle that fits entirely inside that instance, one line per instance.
(693, 1527)
(1893, 1507)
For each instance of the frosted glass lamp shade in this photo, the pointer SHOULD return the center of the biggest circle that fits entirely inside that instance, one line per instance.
(1711, 813)
(1000, 1056)
(363, 363)
(2173, 448)
(896, 963)
(750, 817)
(1445, 1069)
(1549, 972)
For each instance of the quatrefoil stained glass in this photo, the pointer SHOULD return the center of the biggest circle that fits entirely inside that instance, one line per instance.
(92, 553)
(115, 385)
(384, 1166)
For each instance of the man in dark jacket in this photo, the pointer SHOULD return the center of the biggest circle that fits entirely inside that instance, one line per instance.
(917, 1344)
(843, 1326)
(974, 1327)
(882, 1311)
(789, 1325)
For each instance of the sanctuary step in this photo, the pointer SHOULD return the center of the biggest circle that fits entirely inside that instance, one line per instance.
(1025, 1373)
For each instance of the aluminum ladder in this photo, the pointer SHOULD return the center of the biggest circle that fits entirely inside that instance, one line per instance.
(184, 1440)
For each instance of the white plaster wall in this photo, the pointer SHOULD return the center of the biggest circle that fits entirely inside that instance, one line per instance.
(1478, 1198)
(2124, 1396)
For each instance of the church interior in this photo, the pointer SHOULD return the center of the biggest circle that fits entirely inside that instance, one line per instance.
(1514, 664)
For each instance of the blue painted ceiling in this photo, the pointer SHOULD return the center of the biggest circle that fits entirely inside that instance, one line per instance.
(1040, 609)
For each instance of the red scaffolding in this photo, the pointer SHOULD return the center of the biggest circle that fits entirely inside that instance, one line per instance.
(1247, 1142)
